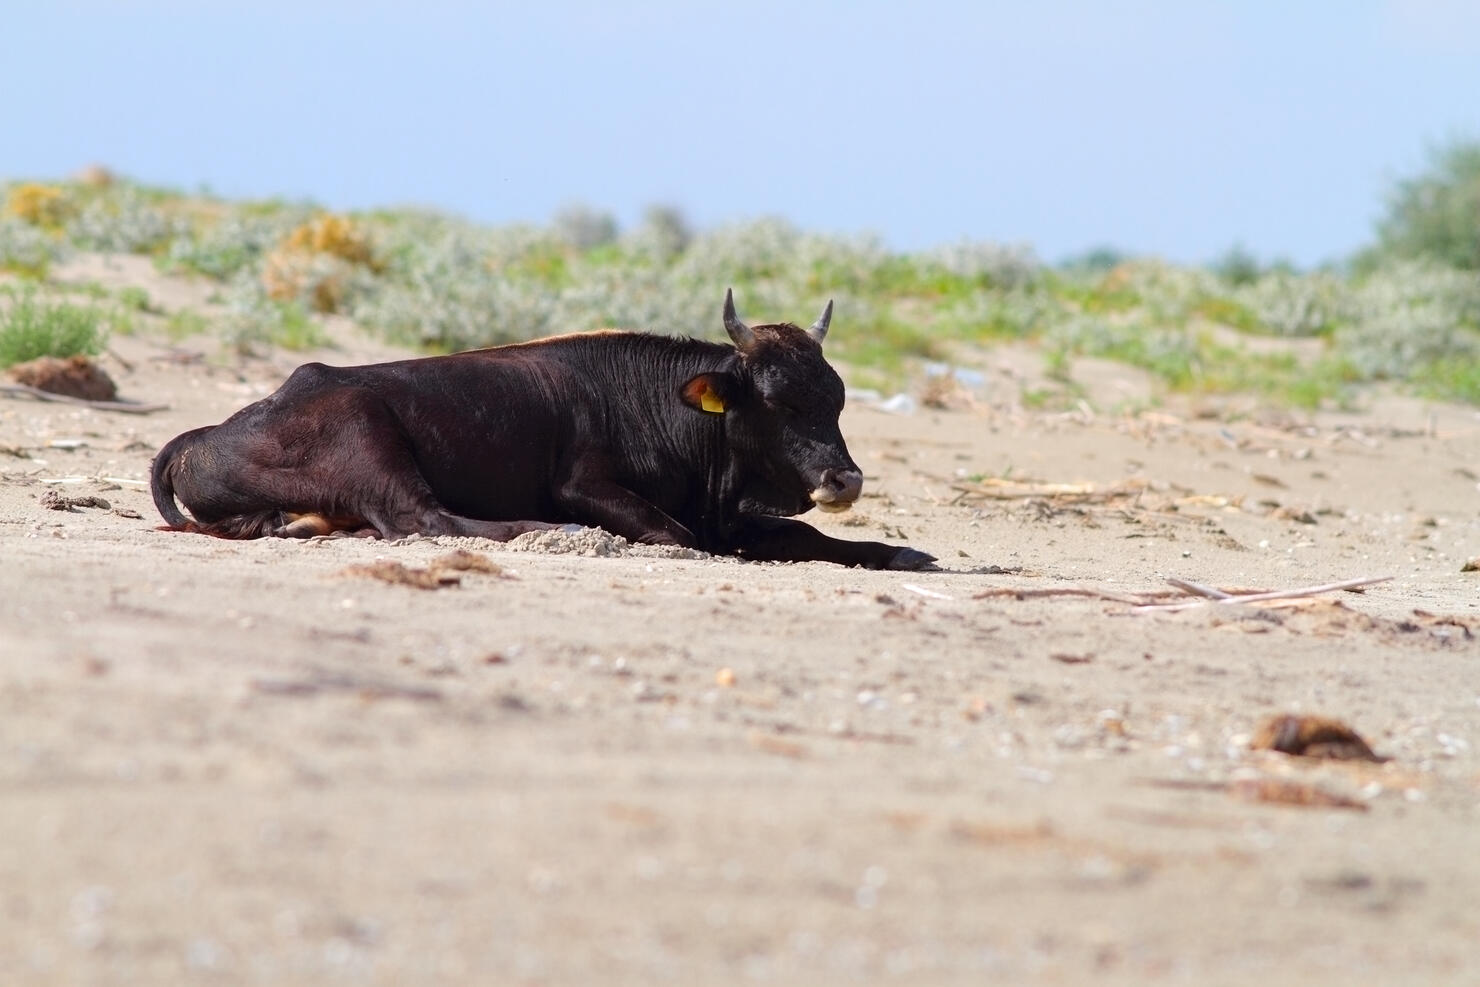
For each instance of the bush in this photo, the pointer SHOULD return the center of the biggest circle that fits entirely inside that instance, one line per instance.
(32, 328)
(584, 228)
(40, 205)
(122, 219)
(1410, 316)
(25, 249)
(1436, 215)
(254, 320)
(234, 243)
(1285, 304)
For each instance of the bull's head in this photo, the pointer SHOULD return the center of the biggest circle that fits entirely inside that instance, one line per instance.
(781, 405)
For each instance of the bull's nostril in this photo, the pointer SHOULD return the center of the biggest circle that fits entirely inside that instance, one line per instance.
(849, 484)
(840, 485)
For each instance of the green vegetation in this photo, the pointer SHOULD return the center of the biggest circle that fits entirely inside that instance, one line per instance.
(1408, 310)
(135, 299)
(31, 327)
(1436, 215)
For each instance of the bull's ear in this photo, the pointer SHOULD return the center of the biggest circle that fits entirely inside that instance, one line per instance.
(709, 393)
(819, 328)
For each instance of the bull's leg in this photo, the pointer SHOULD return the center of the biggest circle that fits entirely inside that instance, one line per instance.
(774, 539)
(439, 522)
(596, 500)
(405, 505)
(355, 470)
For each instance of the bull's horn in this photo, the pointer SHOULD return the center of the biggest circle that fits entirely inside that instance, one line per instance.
(739, 331)
(819, 328)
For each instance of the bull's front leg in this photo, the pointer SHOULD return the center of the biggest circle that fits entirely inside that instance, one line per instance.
(775, 539)
(604, 503)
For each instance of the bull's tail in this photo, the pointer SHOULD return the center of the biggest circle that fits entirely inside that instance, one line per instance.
(162, 481)
(167, 467)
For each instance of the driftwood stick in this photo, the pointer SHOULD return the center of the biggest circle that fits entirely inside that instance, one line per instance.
(1099, 594)
(1273, 595)
(125, 364)
(1198, 589)
(131, 407)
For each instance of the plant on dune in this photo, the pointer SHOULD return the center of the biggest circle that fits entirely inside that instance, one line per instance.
(31, 327)
(1286, 304)
(337, 236)
(237, 241)
(1409, 318)
(662, 236)
(321, 263)
(454, 292)
(583, 227)
(254, 320)
(442, 284)
(122, 218)
(26, 249)
(1436, 215)
(40, 205)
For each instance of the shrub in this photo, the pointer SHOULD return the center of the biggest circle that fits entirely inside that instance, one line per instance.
(663, 235)
(122, 219)
(26, 249)
(1409, 316)
(31, 327)
(254, 319)
(583, 228)
(1285, 304)
(40, 205)
(1437, 214)
(336, 236)
(231, 244)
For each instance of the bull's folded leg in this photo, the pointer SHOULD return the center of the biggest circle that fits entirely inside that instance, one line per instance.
(608, 504)
(495, 530)
(774, 539)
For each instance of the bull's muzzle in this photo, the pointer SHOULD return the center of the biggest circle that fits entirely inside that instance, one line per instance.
(838, 489)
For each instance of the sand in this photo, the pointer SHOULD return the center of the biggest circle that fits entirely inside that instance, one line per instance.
(583, 762)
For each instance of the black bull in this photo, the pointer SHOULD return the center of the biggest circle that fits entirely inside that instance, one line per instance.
(661, 440)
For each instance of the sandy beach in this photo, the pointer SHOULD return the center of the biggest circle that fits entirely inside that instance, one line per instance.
(579, 761)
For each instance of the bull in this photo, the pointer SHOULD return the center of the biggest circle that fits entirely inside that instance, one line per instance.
(662, 440)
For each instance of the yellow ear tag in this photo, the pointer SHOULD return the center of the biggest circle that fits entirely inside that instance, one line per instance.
(711, 402)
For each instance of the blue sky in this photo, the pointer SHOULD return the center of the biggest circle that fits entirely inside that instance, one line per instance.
(1172, 128)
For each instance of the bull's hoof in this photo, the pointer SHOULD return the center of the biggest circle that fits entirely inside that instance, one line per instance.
(912, 560)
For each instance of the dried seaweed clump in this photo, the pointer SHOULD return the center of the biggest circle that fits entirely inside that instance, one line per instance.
(1312, 736)
(441, 573)
(75, 376)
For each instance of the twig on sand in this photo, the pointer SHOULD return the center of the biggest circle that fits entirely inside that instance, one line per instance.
(922, 591)
(1278, 595)
(1198, 589)
(1099, 594)
(367, 689)
(131, 407)
(1155, 600)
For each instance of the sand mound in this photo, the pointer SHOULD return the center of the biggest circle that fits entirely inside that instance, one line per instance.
(594, 542)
